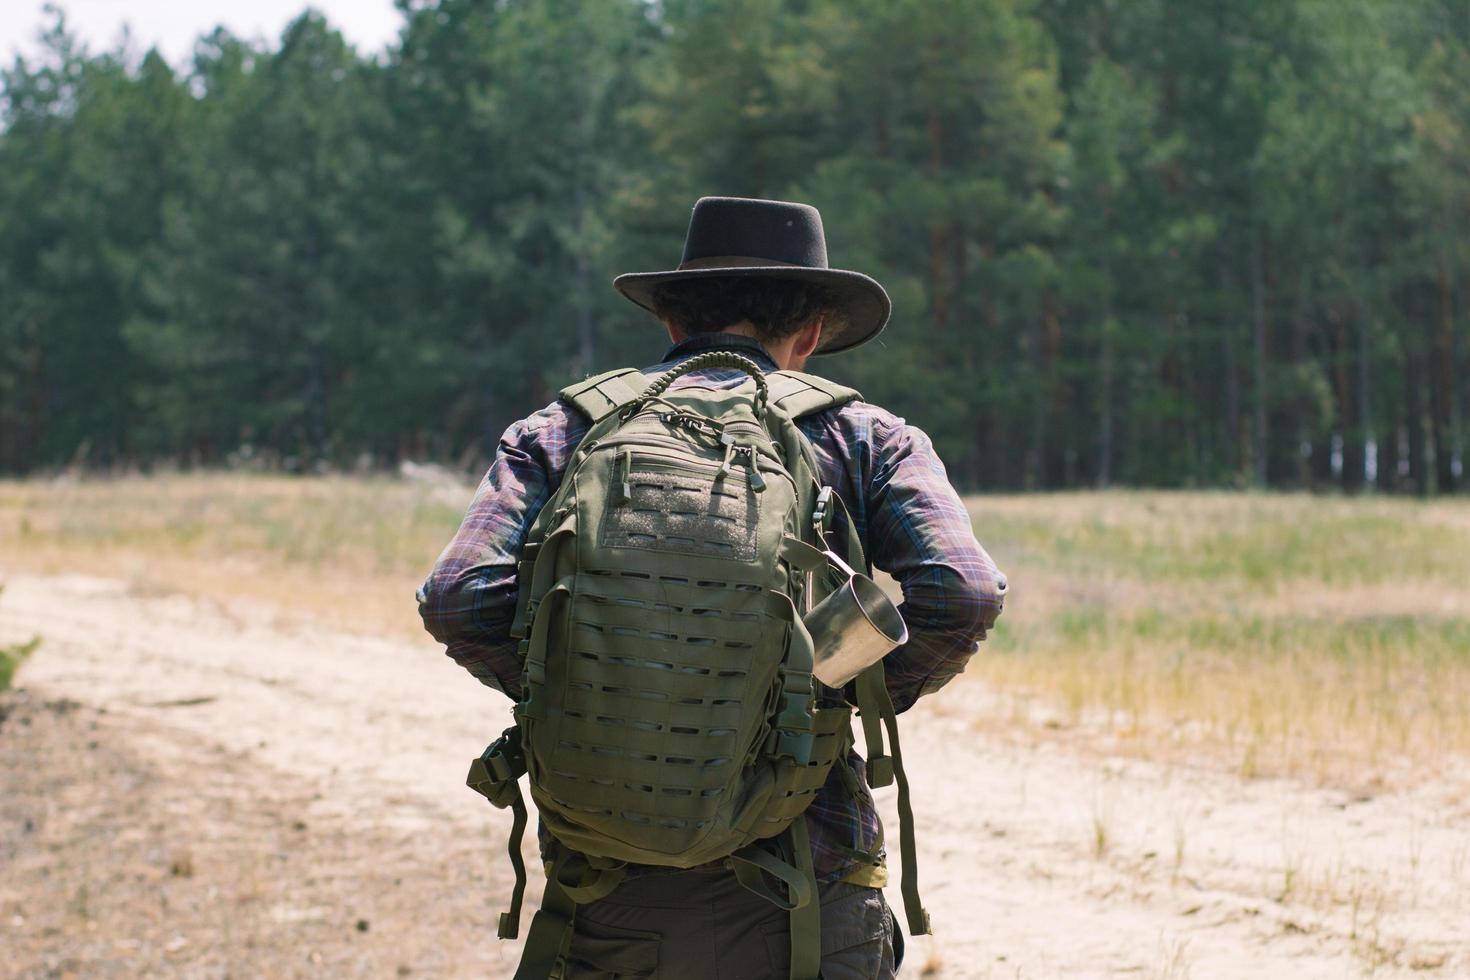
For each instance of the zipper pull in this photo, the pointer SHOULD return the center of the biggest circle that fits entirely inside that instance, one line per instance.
(625, 466)
(757, 482)
(730, 450)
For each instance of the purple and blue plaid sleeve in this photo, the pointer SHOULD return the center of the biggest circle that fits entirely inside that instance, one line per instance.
(914, 527)
(469, 599)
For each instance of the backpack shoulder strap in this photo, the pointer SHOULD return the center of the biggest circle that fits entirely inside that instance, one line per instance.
(795, 394)
(599, 396)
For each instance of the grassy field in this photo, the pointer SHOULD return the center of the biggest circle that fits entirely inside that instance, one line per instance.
(1276, 634)
(1318, 636)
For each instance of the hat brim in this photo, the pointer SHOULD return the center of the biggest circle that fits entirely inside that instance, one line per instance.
(862, 308)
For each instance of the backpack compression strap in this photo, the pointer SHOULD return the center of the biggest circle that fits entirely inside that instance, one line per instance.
(875, 708)
(795, 394)
(601, 395)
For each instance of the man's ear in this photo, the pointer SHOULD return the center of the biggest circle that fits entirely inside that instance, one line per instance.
(810, 336)
(675, 334)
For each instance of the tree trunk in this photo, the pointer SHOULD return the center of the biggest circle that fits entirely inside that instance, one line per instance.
(1390, 454)
(1105, 402)
(938, 227)
(1442, 386)
(1259, 430)
(1418, 481)
(582, 276)
(1342, 395)
(1234, 448)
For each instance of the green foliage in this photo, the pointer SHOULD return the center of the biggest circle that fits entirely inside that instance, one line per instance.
(11, 655)
(1183, 243)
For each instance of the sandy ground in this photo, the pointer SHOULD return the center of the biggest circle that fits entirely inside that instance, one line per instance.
(197, 790)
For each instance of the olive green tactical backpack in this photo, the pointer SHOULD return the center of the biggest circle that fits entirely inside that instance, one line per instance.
(669, 715)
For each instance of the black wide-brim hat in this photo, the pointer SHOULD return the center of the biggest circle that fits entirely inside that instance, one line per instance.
(740, 237)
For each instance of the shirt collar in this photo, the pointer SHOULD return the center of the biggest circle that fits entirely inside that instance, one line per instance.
(701, 342)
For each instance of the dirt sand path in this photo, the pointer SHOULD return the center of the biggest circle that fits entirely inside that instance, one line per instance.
(190, 789)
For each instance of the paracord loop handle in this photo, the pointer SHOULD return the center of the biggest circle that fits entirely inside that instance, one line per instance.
(714, 358)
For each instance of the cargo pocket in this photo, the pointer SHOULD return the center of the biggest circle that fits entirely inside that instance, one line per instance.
(599, 952)
(857, 936)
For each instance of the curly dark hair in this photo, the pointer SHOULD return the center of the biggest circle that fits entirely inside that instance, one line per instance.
(777, 308)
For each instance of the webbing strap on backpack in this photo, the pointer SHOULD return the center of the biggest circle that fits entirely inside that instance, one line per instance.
(551, 933)
(793, 868)
(495, 775)
(794, 394)
(874, 704)
(875, 709)
(601, 395)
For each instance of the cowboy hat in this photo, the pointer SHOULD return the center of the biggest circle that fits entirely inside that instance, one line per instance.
(740, 237)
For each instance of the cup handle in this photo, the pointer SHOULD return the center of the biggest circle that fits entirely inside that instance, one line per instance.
(836, 559)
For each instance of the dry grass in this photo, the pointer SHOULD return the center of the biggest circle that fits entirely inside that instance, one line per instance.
(1316, 636)
(347, 552)
(1329, 637)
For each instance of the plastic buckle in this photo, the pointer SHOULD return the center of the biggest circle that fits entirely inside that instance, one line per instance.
(494, 774)
(794, 715)
(796, 746)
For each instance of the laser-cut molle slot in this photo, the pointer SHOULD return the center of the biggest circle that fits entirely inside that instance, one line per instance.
(599, 811)
(602, 600)
(629, 692)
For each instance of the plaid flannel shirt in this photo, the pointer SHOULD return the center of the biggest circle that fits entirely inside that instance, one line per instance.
(908, 517)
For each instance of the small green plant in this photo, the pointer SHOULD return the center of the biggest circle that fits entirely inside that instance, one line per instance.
(10, 658)
(11, 655)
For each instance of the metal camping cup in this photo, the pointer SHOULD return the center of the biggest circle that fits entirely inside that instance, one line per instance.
(853, 627)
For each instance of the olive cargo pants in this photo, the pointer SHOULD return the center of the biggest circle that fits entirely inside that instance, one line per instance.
(701, 924)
